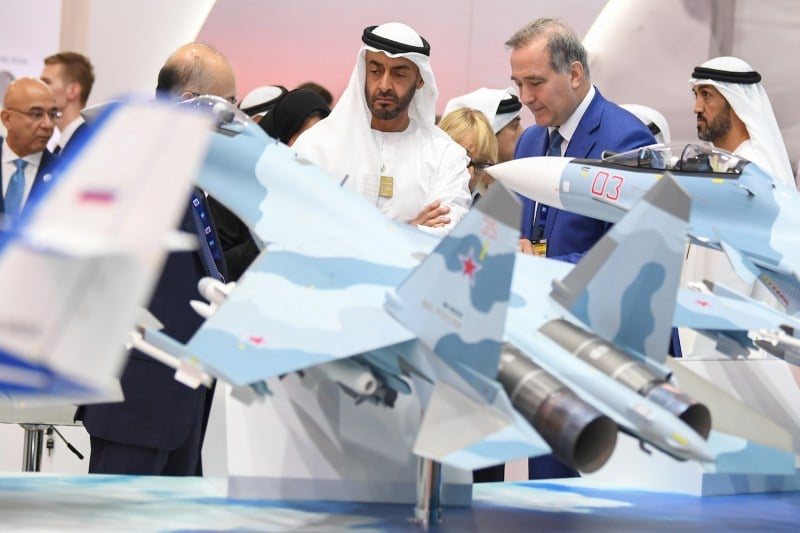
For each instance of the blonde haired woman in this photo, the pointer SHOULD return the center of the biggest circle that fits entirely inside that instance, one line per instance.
(471, 129)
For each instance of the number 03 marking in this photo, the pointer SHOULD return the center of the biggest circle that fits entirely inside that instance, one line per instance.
(606, 185)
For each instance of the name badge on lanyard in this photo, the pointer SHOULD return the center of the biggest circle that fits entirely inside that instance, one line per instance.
(386, 188)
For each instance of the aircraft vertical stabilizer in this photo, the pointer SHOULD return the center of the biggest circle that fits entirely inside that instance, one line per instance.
(456, 300)
(638, 316)
(86, 255)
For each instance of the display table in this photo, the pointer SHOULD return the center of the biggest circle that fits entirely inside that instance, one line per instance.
(34, 421)
(46, 502)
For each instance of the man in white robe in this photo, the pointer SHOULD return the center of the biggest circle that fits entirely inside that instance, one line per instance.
(734, 113)
(745, 125)
(381, 138)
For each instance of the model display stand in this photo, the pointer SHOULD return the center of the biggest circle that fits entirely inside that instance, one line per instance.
(310, 440)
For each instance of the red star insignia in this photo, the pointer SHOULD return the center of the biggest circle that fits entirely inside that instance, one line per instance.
(469, 267)
(703, 303)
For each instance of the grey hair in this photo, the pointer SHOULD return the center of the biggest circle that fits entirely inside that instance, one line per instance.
(562, 43)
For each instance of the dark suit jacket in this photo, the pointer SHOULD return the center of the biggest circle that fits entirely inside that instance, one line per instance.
(76, 142)
(604, 126)
(42, 176)
(158, 412)
(237, 244)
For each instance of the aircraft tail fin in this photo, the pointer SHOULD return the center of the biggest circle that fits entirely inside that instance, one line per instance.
(467, 434)
(456, 300)
(625, 286)
(90, 249)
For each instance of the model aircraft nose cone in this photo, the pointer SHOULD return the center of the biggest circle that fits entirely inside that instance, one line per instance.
(537, 178)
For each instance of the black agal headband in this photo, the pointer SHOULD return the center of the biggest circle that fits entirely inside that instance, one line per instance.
(745, 78)
(393, 47)
(509, 105)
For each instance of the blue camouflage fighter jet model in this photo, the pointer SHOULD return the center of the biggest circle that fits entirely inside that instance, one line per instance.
(375, 304)
(736, 206)
(366, 300)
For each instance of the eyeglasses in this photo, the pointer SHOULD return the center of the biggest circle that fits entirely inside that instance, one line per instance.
(480, 167)
(38, 114)
(231, 99)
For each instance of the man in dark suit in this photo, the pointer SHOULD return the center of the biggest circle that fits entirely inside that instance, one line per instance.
(549, 66)
(29, 112)
(70, 76)
(159, 428)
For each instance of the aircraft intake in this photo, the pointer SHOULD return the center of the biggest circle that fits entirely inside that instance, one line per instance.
(578, 433)
(617, 364)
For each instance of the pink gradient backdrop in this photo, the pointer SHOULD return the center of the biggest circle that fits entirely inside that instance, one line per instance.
(292, 42)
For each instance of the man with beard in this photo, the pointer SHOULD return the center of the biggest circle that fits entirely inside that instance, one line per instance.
(734, 113)
(381, 137)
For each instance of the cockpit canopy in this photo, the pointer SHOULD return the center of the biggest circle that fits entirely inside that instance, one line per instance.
(681, 158)
(229, 119)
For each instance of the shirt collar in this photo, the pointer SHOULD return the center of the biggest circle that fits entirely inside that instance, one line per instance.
(9, 155)
(567, 129)
(66, 134)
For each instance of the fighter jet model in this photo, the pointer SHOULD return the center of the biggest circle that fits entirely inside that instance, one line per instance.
(346, 292)
(726, 191)
(86, 253)
(373, 303)
(736, 206)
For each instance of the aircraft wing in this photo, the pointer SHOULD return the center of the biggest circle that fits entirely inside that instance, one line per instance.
(85, 255)
(285, 199)
(330, 261)
(299, 306)
(729, 311)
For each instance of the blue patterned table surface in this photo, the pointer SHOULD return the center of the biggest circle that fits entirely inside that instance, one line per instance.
(42, 502)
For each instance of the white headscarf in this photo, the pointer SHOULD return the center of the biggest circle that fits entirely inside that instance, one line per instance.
(343, 143)
(751, 104)
(651, 118)
(487, 101)
(261, 98)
